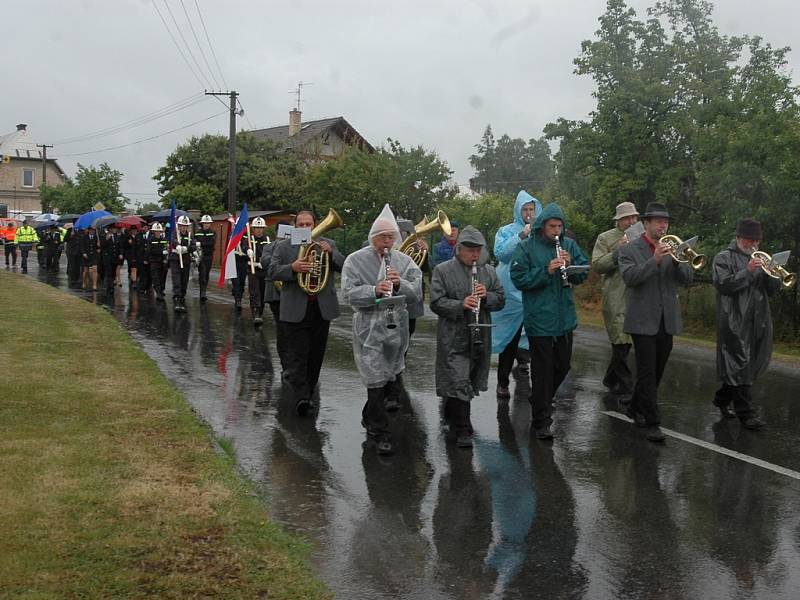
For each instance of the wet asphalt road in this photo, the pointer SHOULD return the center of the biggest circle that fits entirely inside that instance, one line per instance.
(598, 513)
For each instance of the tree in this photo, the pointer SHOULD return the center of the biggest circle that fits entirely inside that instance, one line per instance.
(90, 186)
(196, 174)
(510, 164)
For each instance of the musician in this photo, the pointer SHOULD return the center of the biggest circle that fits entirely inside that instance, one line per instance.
(605, 260)
(305, 318)
(507, 336)
(180, 263)
(156, 252)
(445, 248)
(90, 250)
(652, 312)
(379, 294)
(272, 297)
(253, 244)
(110, 255)
(205, 242)
(744, 322)
(538, 269)
(463, 354)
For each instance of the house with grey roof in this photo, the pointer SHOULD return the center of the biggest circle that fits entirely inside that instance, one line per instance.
(21, 173)
(315, 141)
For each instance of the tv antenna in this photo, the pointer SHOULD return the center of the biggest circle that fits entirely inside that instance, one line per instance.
(300, 86)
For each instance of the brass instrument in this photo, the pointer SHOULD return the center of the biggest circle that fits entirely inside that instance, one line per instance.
(410, 245)
(775, 271)
(564, 277)
(696, 260)
(251, 245)
(314, 281)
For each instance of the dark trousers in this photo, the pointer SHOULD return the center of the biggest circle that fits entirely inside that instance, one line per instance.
(256, 285)
(373, 415)
(305, 350)
(203, 273)
(652, 353)
(740, 396)
(51, 256)
(40, 257)
(180, 276)
(550, 363)
(11, 253)
(505, 361)
(73, 268)
(280, 332)
(237, 283)
(109, 276)
(23, 253)
(143, 279)
(619, 378)
(158, 277)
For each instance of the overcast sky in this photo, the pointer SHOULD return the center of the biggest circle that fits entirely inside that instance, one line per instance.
(427, 72)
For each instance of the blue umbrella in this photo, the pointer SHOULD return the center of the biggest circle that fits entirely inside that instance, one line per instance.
(46, 217)
(85, 220)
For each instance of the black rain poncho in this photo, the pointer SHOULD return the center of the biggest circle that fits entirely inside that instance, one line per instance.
(744, 323)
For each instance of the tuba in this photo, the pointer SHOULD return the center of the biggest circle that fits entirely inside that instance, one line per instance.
(697, 261)
(411, 247)
(314, 281)
(775, 271)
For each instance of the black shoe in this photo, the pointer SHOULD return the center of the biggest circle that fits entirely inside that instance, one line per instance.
(638, 418)
(237, 303)
(257, 321)
(384, 446)
(303, 408)
(203, 299)
(464, 440)
(752, 423)
(654, 434)
(543, 433)
(726, 412)
(392, 405)
(502, 391)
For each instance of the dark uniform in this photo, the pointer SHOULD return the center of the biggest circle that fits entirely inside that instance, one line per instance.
(40, 250)
(272, 297)
(237, 283)
(129, 253)
(157, 251)
(180, 274)
(256, 282)
(52, 248)
(207, 240)
(90, 249)
(143, 279)
(110, 257)
(73, 243)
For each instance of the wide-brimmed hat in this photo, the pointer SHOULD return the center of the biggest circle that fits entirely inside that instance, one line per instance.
(749, 229)
(625, 209)
(654, 210)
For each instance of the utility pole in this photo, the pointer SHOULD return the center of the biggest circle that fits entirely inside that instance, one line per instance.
(44, 148)
(231, 149)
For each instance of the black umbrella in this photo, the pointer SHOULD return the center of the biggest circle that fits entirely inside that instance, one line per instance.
(102, 222)
(45, 224)
(68, 218)
(163, 215)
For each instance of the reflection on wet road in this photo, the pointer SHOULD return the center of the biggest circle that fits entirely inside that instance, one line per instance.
(599, 513)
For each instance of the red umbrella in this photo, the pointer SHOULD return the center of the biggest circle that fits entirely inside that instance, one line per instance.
(132, 221)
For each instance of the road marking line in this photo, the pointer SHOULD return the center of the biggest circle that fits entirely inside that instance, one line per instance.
(714, 447)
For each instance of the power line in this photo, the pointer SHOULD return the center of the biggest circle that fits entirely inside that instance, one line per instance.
(249, 122)
(210, 45)
(199, 47)
(174, 41)
(145, 139)
(185, 43)
(138, 121)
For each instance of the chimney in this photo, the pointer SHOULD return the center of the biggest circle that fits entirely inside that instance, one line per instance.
(294, 122)
(22, 126)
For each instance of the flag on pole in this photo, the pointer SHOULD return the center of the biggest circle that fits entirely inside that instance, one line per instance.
(228, 264)
(173, 225)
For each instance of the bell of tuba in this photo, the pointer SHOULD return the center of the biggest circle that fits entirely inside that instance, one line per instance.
(775, 271)
(697, 261)
(314, 281)
(411, 246)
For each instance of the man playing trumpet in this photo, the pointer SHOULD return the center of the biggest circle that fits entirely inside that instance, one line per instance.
(744, 323)
(652, 312)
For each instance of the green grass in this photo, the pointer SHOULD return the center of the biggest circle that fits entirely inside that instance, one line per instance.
(110, 486)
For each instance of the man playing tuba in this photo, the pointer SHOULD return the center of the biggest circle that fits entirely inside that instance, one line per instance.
(304, 318)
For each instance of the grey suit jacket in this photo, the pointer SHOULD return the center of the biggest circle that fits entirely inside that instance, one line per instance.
(293, 299)
(651, 289)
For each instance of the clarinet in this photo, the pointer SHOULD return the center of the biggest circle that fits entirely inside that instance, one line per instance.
(564, 281)
(477, 336)
(391, 320)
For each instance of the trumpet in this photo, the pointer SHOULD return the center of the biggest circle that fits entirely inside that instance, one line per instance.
(314, 281)
(391, 318)
(564, 278)
(696, 260)
(251, 245)
(773, 270)
(411, 246)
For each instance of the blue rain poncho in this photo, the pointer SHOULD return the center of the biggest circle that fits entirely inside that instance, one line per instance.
(506, 239)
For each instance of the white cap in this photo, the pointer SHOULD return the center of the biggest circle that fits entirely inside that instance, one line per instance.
(258, 222)
(206, 219)
(157, 227)
(184, 220)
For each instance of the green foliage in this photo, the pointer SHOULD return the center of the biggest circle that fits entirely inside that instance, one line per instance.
(509, 164)
(90, 186)
(487, 212)
(148, 207)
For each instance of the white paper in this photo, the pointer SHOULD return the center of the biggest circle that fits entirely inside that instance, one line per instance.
(634, 232)
(301, 235)
(284, 231)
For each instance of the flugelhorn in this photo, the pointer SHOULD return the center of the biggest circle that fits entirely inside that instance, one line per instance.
(687, 254)
(773, 270)
(314, 280)
(411, 246)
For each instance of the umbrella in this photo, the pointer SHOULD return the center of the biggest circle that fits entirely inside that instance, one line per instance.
(130, 221)
(85, 220)
(103, 222)
(70, 218)
(163, 215)
(37, 225)
(46, 217)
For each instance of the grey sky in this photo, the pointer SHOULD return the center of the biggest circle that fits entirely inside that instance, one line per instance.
(423, 72)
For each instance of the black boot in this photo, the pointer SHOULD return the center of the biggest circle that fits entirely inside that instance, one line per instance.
(257, 318)
(461, 421)
(374, 420)
(237, 304)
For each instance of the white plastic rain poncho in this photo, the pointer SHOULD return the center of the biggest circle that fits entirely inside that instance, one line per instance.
(509, 319)
(379, 351)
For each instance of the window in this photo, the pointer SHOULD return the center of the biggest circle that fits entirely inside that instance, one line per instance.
(27, 178)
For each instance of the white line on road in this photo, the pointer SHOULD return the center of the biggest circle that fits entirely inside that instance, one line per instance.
(709, 446)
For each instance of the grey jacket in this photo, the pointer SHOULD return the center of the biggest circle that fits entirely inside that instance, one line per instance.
(293, 299)
(652, 290)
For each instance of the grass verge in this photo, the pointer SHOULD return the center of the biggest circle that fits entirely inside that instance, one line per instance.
(110, 486)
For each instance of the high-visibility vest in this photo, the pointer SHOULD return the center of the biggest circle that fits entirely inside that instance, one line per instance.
(27, 235)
